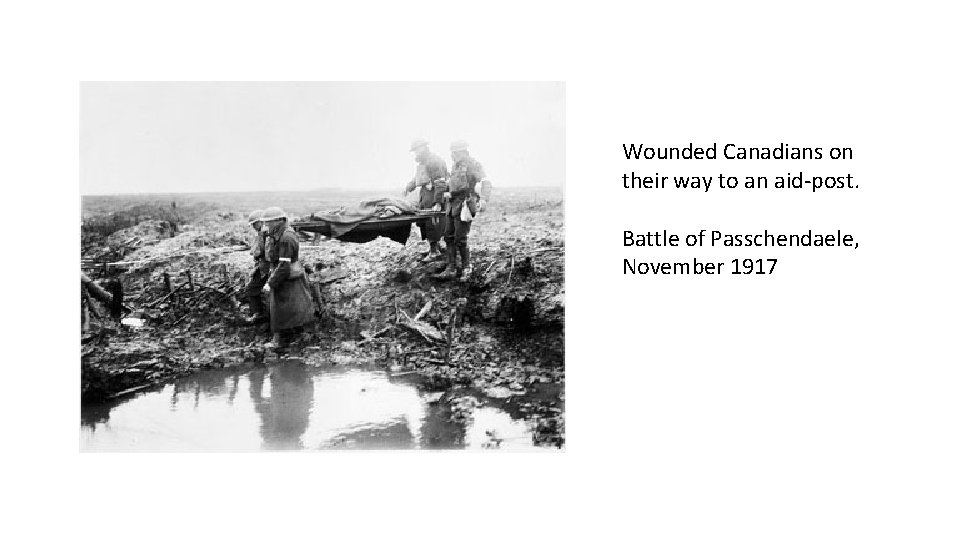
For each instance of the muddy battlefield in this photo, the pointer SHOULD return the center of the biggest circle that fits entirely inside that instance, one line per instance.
(400, 346)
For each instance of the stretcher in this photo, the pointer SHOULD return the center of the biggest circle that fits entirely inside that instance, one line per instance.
(396, 228)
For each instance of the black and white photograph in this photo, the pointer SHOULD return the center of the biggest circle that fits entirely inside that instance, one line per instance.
(344, 264)
(277, 266)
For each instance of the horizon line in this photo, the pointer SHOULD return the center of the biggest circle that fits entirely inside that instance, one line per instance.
(117, 193)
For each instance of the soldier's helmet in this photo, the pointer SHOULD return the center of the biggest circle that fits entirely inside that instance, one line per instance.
(418, 143)
(457, 146)
(274, 212)
(255, 216)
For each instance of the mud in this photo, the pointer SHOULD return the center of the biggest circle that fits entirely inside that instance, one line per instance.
(506, 337)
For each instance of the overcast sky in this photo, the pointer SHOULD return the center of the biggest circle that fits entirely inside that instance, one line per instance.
(181, 137)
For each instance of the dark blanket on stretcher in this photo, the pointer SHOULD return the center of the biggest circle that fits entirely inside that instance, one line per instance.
(345, 220)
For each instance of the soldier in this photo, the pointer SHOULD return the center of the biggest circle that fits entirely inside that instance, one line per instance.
(431, 179)
(261, 271)
(486, 190)
(461, 202)
(291, 305)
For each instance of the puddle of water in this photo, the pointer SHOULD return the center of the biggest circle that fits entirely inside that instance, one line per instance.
(290, 406)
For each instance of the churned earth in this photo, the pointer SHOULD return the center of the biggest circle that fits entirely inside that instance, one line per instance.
(473, 353)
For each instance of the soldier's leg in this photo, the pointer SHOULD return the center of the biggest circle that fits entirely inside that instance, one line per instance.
(448, 236)
(447, 229)
(277, 344)
(441, 228)
(423, 231)
(428, 231)
(433, 235)
(254, 286)
(461, 235)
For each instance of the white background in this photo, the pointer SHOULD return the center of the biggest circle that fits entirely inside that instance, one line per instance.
(819, 402)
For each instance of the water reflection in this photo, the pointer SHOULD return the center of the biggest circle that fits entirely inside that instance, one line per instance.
(357, 408)
(285, 412)
(290, 406)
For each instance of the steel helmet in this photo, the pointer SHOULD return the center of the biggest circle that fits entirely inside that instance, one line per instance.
(255, 216)
(456, 146)
(273, 213)
(417, 143)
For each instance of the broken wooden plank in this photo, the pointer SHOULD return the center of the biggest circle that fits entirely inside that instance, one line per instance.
(424, 330)
(370, 337)
(131, 390)
(330, 276)
(95, 290)
(431, 361)
(450, 327)
(544, 249)
(162, 298)
(424, 311)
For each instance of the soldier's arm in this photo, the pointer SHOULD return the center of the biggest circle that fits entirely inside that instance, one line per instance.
(256, 250)
(286, 252)
(440, 184)
(474, 175)
(411, 186)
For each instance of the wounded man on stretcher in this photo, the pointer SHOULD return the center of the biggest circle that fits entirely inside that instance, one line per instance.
(386, 217)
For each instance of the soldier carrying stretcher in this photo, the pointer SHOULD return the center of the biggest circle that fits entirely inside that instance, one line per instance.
(462, 204)
(430, 177)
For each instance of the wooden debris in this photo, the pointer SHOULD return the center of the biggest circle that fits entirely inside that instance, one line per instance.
(450, 326)
(424, 330)
(130, 390)
(116, 295)
(162, 298)
(424, 311)
(95, 290)
(370, 337)
(541, 250)
(330, 276)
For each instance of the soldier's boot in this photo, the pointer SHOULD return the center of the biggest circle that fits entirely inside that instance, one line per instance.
(464, 273)
(451, 270)
(277, 345)
(434, 252)
(258, 312)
